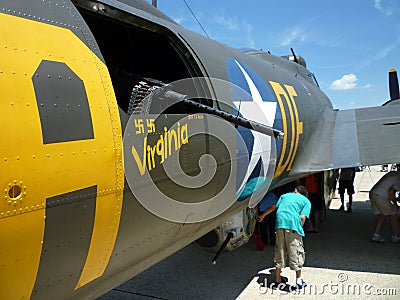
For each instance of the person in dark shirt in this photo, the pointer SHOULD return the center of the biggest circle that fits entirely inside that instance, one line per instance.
(313, 184)
(346, 182)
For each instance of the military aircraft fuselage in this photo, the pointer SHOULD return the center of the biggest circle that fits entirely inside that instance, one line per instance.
(84, 178)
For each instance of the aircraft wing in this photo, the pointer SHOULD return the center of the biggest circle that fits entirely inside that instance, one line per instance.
(366, 136)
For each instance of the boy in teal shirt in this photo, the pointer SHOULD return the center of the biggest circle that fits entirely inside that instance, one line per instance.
(293, 209)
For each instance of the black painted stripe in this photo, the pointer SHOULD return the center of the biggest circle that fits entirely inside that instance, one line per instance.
(62, 103)
(68, 230)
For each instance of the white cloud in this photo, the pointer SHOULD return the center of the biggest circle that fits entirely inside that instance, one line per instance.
(385, 51)
(308, 32)
(234, 31)
(347, 82)
(381, 54)
(179, 20)
(378, 6)
(367, 86)
(296, 34)
(227, 22)
(249, 34)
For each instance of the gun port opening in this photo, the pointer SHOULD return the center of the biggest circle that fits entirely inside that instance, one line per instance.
(15, 192)
(136, 50)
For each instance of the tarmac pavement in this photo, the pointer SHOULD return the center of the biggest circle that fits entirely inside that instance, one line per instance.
(341, 261)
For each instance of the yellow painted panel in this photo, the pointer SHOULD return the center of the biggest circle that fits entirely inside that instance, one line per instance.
(279, 92)
(298, 126)
(32, 172)
(18, 251)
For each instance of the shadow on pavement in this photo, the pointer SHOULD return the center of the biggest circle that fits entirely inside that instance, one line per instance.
(344, 243)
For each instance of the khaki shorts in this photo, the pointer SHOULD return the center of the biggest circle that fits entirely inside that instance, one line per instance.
(289, 244)
(381, 205)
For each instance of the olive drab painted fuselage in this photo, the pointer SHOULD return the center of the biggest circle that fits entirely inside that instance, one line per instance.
(71, 224)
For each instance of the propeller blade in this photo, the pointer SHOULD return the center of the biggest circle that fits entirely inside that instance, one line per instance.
(393, 85)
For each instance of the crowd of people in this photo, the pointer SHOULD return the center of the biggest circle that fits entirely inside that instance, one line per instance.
(285, 214)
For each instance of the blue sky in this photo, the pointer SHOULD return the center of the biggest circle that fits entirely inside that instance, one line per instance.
(349, 45)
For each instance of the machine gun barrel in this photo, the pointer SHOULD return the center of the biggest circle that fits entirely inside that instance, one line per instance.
(236, 120)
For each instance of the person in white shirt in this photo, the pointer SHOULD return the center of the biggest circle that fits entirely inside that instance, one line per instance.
(384, 203)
